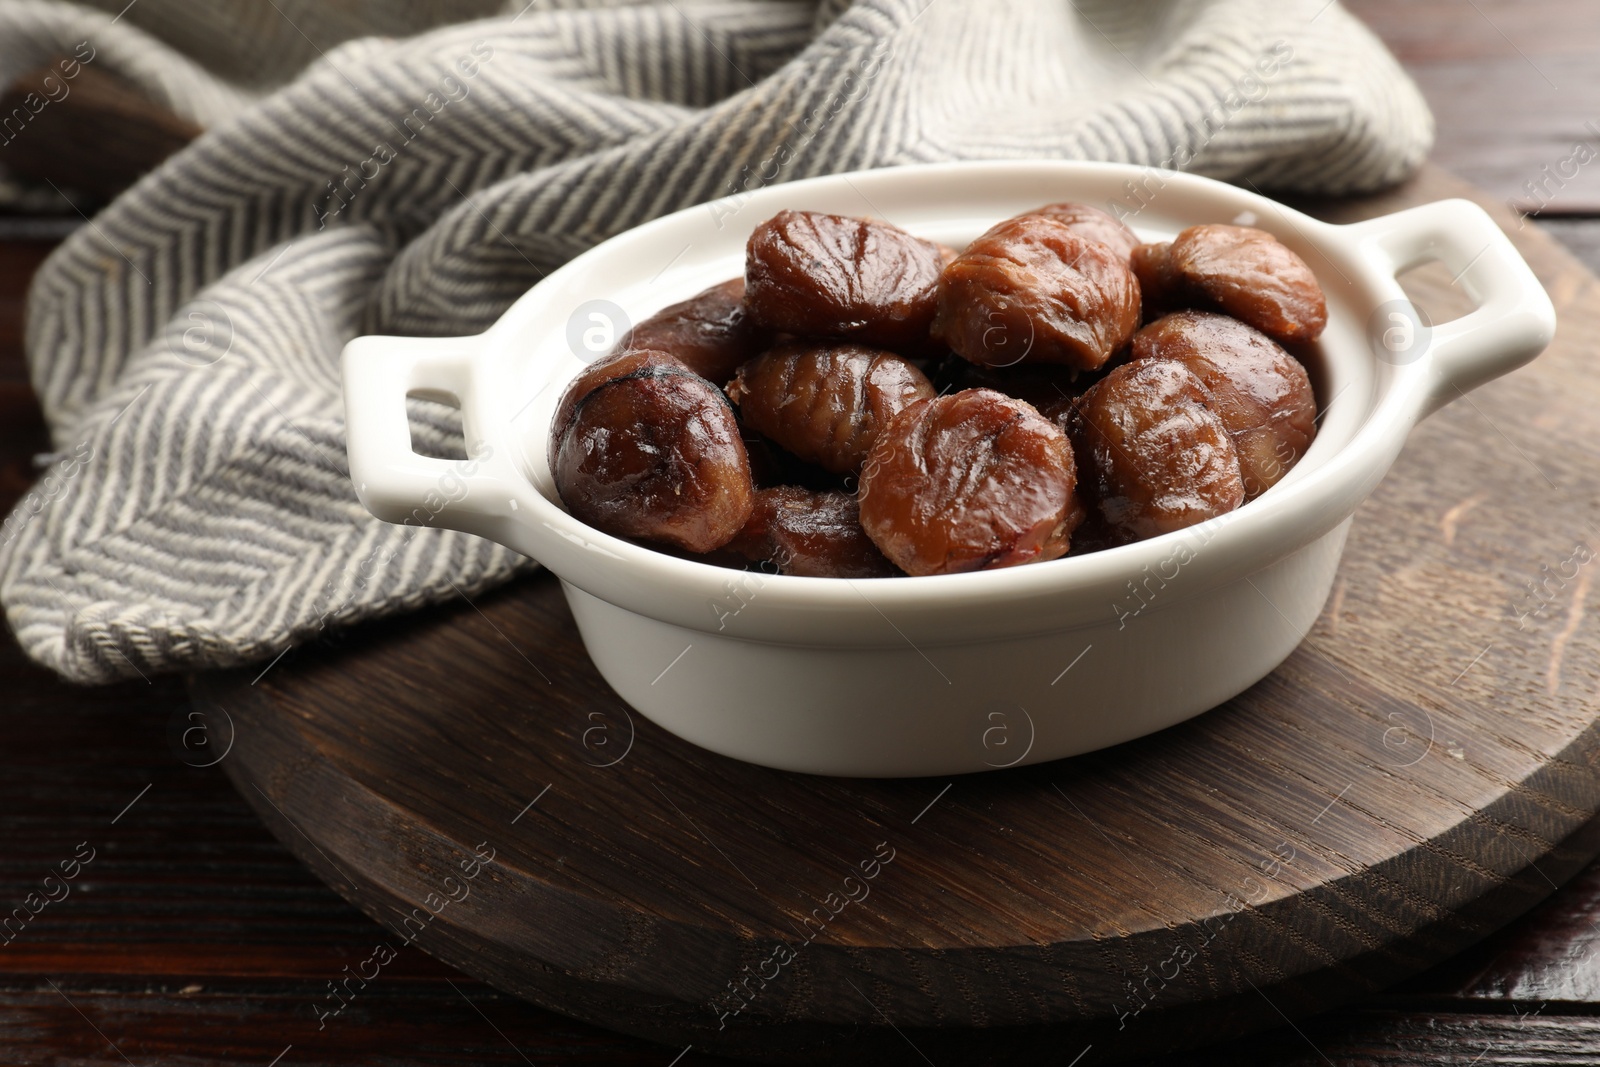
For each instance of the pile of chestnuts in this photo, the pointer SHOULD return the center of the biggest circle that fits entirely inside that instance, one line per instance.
(866, 403)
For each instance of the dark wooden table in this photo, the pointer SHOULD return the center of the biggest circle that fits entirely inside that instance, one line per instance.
(192, 936)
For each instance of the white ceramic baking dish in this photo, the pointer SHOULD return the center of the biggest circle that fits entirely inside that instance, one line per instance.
(950, 673)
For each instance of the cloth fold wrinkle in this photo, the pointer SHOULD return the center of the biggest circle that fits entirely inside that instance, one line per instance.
(198, 511)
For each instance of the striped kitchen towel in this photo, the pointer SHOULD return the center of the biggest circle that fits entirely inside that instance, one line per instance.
(411, 177)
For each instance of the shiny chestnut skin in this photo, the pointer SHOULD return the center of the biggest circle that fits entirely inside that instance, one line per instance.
(654, 452)
(1254, 277)
(1094, 224)
(1033, 290)
(1155, 457)
(817, 275)
(1160, 288)
(969, 481)
(825, 403)
(1260, 392)
(711, 333)
(619, 364)
(1030, 325)
(811, 534)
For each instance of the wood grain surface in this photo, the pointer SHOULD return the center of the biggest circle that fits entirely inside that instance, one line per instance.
(1419, 771)
(1512, 88)
(201, 940)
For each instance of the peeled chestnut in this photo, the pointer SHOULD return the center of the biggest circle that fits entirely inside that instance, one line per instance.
(825, 403)
(1052, 423)
(969, 481)
(710, 333)
(1254, 277)
(1155, 457)
(817, 275)
(642, 447)
(620, 364)
(810, 533)
(1033, 290)
(1259, 391)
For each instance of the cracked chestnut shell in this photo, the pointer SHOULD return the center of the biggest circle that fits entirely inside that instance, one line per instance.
(643, 447)
(818, 275)
(1033, 290)
(1155, 457)
(1260, 392)
(711, 333)
(825, 403)
(1254, 277)
(810, 533)
(969, 481)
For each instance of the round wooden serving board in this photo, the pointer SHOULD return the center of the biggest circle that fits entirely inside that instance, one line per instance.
(1420, 771)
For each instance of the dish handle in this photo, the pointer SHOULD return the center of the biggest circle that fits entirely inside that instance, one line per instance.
(1514, 319)
(393, 482)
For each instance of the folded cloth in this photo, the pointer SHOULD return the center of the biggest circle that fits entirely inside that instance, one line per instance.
(184, 343)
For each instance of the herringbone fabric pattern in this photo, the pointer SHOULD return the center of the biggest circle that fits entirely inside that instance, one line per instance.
(185, 343)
